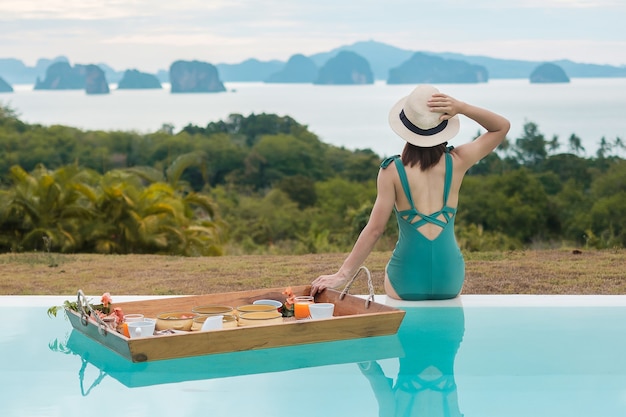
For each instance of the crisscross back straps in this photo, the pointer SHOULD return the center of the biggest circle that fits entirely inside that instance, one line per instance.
(432, 218)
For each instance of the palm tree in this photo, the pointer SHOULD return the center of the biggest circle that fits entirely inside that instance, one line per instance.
(154, 213)
(575, 144)
(46, 205)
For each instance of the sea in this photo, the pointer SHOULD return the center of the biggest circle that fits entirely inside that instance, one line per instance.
(354, 116)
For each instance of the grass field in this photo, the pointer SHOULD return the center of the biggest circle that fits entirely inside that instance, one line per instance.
(518, 272)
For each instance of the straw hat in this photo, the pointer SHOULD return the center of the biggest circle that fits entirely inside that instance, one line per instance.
(412, 120)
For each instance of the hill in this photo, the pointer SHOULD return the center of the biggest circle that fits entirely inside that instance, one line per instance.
(381, 57)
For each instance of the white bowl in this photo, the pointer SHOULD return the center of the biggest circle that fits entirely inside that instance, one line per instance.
(321, 310)
(274, 303)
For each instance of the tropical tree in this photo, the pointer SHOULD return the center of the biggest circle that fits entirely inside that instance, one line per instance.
(514, 203)
(531, 146)
(45, 205)
(575, 145)
(606, 215)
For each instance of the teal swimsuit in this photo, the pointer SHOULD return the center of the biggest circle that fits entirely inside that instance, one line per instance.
(420, 268)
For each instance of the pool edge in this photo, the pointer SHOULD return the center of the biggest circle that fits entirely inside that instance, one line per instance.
(469, 300)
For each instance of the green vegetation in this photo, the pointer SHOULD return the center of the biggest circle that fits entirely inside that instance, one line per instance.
(264, 184)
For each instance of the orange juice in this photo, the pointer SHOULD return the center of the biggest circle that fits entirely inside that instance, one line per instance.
(301, 307)
(125, 329)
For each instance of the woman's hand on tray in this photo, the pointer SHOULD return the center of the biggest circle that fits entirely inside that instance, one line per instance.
(327, 281)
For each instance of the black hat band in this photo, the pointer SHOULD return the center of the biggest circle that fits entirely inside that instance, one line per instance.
(428, 132)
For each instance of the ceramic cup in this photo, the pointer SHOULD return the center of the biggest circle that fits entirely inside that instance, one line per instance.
(128, 318)
(321, 310)
(144, 328)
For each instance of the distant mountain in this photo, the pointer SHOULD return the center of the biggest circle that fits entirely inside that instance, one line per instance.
(345, 68)
(299, 69)
(249, 70)
(577, 70)
(15, 71)
(381, 57)
(62, 76)
(510, 68)
(429, 69)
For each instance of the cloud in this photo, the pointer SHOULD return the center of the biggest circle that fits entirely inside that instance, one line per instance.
(534, 4)
(102, 9)
(235, 30)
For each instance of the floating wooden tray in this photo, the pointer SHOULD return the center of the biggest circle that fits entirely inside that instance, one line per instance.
(353, 318)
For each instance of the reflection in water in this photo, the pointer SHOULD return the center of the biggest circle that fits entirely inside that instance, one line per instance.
(222, 365)
(425, 385)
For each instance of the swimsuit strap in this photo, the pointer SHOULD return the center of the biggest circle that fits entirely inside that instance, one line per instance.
(404, 180)
(448, 181)
(388, 161)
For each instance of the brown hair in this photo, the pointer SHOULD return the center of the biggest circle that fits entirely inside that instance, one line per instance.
(425, 157)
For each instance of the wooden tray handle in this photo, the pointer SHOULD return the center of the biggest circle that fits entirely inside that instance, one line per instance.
(370, 298)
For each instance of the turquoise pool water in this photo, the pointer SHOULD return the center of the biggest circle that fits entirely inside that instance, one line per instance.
(477, 357)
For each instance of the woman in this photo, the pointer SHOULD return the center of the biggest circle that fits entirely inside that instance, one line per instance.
(422, 187)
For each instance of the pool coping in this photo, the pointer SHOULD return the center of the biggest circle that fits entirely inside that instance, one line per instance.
(469, 300)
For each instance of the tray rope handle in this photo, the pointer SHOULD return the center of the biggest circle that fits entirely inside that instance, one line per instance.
(85, 310)
(81, 378)
(370, 285)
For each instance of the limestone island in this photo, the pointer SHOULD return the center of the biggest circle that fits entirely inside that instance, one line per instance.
(5, 87)
(345, 68)
(136, 80)
(195, 77)
(299, 69)
(62, 76)
(548, 73)
(423, 68)
(95, 80)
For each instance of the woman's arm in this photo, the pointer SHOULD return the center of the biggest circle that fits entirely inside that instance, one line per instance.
(496, 126)
(383, 206)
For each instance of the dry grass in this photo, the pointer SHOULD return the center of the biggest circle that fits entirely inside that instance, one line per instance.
(519, 272)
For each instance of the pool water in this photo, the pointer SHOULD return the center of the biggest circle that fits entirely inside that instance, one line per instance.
(482, 357)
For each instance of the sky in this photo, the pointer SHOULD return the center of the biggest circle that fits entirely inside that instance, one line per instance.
(149, 35)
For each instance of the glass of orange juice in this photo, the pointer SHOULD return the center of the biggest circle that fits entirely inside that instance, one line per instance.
(301, 307)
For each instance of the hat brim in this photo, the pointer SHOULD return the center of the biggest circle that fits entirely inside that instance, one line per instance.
(450, 131)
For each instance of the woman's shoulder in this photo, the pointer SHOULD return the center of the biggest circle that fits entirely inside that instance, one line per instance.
(387, 161)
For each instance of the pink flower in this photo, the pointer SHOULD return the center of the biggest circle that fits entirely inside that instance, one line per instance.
(106, 299)
(291, 298)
